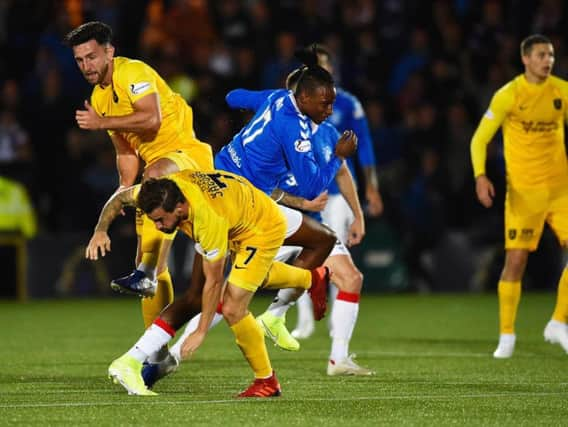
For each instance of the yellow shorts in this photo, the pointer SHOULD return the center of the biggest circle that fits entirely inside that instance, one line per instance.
(253, 257)
(526, 211)
(199, 157)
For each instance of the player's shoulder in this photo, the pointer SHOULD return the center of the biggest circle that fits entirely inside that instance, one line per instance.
(125, 68)
(559, 83)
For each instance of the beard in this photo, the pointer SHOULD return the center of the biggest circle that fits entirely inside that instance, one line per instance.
(173, 228)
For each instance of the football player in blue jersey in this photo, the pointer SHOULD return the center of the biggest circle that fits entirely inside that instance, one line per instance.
(348, 113)
(346, 276)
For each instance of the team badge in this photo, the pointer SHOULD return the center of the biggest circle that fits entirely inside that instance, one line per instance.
(557, 103)
(512, 234)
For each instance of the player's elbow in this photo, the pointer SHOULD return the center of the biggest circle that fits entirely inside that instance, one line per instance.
(153, 123)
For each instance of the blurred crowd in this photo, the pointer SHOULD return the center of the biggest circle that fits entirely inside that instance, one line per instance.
(425, 72)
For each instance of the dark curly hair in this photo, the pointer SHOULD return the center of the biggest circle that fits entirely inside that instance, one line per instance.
(311, 76)
(159, 192)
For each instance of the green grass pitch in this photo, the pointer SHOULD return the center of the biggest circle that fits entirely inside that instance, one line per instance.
(432, 354)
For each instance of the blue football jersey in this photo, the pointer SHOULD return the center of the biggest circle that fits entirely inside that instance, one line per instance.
(348, 114)
(277, 141)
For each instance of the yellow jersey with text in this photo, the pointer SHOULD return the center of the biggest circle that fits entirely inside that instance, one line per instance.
(227, 211)
(532, 118)
(133, 80)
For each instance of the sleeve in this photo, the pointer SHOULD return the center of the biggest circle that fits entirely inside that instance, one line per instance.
(247, 99)
(359, 124)
(302, 162)
(488, 126)
(137, 79)
(211, 232)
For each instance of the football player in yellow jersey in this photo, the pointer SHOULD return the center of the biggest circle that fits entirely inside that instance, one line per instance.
(531, 109)
(147, 122)
(226, 215)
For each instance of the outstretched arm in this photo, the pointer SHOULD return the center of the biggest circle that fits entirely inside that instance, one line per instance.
(297, 202)
(112, 208)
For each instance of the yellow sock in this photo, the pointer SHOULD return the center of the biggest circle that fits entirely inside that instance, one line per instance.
(509, 297)
(152, 306)
(283, 275)
(151, 237)
(250, 339)
(561, 309)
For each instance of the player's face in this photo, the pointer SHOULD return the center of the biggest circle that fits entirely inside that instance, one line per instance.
(94, 61)
(538, 63)
(166, 222)
(318, 105)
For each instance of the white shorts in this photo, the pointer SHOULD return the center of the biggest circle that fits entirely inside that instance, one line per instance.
(338, 215)
(294, 219)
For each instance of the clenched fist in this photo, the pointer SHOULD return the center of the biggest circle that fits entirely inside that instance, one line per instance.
(346, 145)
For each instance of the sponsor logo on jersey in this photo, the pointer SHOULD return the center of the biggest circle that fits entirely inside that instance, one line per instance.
(539, 126)
(302, 145)
(138, 88)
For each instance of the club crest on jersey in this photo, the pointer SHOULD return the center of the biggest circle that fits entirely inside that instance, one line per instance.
(138, 88)
(302, 145)
(557, 103)
(512, 234)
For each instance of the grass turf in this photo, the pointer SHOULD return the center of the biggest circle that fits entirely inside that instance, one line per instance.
(432, 355)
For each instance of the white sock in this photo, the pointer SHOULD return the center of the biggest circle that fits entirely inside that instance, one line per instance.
(191, 326)
(285, 298)
(343, 320)
(151, 342)
(150, 272)
(305, 312)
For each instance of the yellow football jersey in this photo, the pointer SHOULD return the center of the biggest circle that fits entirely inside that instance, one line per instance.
(532, 118)
(226, 210)
(132, 80)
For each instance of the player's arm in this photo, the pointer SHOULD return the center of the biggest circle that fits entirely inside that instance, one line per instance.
(127, 161)
(348, 190)
(211, 296)
(317, 204)
(146, 117)
(366, 157)
(490, 122)
(112, 208)
(247, 99)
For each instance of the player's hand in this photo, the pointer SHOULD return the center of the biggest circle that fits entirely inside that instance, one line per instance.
(99, 241)
(346, 145)
(317, 204)
(88, 118)
(374, 202)
(485, 190)
(356, 232)
(192, 343)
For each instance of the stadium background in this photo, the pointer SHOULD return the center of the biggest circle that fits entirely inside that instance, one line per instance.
(425, 72)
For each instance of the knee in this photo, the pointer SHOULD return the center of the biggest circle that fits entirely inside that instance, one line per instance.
(232, 312)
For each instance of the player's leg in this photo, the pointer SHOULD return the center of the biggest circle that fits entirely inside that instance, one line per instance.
(255, 262)
(349, 281)
(127, 369)
(524, 221)
(556, 330)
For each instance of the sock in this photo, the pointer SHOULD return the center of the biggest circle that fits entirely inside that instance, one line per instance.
(561, 310)
(283, 275)
(285, 298)
(156, 336)
(191, 326)
(153, 306)
(305, 312)
(509, 297)
(333, 291)
(343, 320)
(250, 339)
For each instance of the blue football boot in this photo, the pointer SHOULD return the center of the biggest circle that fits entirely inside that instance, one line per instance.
(136, 283)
